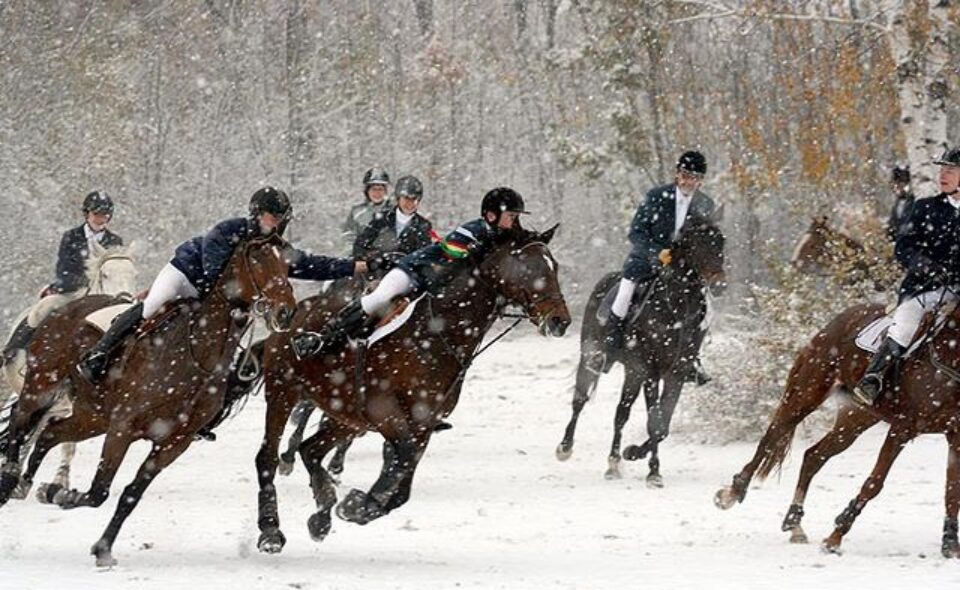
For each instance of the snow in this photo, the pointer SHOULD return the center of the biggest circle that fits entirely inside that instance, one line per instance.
(493, 508)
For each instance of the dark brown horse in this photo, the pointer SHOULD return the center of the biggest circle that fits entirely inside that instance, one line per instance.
(824, 251)
(662, 342)
(164, 386)
(924, 399)
(402, 388)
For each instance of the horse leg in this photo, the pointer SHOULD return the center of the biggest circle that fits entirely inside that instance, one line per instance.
(392, 488)
(588, 373)
(659, 417)
(335, 467)
(160, 456)
(115, 446)
(67, 452)
(850, 423)
(22, 422)
(290, 455)
(312, 452)
(950, 546)
(632, 382)
(278, 409)
(808, 385)
(892, 446)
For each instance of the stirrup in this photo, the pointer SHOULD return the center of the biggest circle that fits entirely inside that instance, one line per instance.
(862, 395)
(307, 345)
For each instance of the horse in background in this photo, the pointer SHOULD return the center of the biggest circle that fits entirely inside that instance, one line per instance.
(663, 339)
(110, 271)
(828, 252)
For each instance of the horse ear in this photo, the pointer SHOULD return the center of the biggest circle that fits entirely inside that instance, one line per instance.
(546, 236)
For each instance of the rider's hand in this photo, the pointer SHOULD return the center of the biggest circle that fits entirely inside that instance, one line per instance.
(665, 257)
(48, 290)
(360, 267)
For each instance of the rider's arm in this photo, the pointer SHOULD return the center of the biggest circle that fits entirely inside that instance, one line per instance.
(69, 260)
(641, 229)
(908, 248)
(313, 267)
(217, 247)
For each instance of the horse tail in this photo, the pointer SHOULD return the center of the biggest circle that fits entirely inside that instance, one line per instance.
(776, 453)
(239, 389)
(591, 340)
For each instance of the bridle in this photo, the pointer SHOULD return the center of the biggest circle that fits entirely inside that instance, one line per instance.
(98, 283)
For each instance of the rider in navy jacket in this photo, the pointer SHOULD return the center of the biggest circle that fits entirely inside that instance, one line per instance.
(198, 263)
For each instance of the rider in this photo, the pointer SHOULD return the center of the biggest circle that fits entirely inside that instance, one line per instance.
(71, 276)
(929, 249)
(655, 226)
(900, 212)
(198, 263)
(427, 269)
(375, 185)
(397, 233)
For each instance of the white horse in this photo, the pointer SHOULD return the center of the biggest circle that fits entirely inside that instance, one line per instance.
(110, 271)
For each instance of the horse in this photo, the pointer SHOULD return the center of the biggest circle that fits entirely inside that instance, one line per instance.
(663, 338)
(142, 398)
(110, 271)
(402, 386)
(922, 398)
(824, 251)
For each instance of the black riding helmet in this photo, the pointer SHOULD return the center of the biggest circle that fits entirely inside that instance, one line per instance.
(951, 157)
(98, 202)
(502, 199)
(409, 186)
(375, 176)
(273, 201)
(692, 161)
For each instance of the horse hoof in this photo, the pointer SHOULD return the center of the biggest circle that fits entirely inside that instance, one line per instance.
(103, 555)
(271, 541)
(47, 493)
(319, 525)
(798, 537)
(725, 498)
(285, 468)
(563, 453)
(352, 508)
(612, 473)
(831, 547)
(951, 551)
(67, 499)
(655, 481)
(632, 453)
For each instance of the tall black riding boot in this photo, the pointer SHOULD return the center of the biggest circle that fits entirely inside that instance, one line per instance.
(614, 335)
(93, 366)
(18, 341)
(350, 322)
(871, 385)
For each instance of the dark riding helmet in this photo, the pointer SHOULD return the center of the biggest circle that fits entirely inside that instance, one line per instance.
(98, 202)
(409, 186)
(375, 176)
(273, 201)
(692, 161)
(502, 199)
(900, 174)
(951, 157)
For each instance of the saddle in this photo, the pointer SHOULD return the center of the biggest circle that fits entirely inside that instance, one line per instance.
(163, 317)
(400, 311)
(603, 312)
(870, 337)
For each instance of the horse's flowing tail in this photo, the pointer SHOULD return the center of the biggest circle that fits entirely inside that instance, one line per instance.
(778, 450)
(592, 358)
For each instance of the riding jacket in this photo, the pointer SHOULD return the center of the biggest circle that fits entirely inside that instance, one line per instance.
(203, 258)
(74, 250)
(653, 228)
(929, 246)
(381, 246)
(433, 266)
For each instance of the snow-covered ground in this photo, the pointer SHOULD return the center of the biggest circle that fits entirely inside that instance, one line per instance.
(493, 508)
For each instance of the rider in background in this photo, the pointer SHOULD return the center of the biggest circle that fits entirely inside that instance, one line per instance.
(71, 276)
(198, 264)
(427, 269)
(402, 230)
(655, 226)
(375, 186)
(929, 249)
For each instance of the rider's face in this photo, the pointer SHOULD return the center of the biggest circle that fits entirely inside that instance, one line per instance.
(949, 178)
(376, 193)
(688, 182)
(98, 221)
(407, 204)
(507, 219)
(268, 222)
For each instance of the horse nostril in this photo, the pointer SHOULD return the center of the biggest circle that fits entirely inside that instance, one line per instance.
(558, 326)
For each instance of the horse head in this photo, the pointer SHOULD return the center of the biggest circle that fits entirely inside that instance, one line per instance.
(523, 271)
(111, 271)
(256, 279)
(700, 251)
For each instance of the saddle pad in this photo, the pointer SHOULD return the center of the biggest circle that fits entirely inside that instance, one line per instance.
(869, 338)
(102, 318)
(394, 324)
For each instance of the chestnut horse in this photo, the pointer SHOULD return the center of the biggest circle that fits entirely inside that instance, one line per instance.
(824, 251)
(401, 386)
(662, 341)
(164, 387)
(922, 398)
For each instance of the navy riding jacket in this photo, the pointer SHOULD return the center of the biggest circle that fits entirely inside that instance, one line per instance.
(71, 257)
(433, 266)
(929, 246)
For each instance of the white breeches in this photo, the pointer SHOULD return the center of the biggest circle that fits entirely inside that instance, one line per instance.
(394, 284)
(170, 284)
(49, 304)
(907, 316)
(621, 303)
